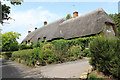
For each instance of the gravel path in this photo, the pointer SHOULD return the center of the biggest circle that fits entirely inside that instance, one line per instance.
(65, 70)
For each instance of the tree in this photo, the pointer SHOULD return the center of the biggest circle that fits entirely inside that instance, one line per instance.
(116, 18)
(68, 16)
(5, 11)
(9, 41)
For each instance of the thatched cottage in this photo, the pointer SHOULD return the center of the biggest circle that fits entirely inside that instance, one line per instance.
(79, 26)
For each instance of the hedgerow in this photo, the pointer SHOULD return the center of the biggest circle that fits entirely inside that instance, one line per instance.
(56, 51)
(6, 55)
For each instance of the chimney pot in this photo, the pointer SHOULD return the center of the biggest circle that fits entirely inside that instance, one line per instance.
(35, 28)
(29, 32)
(75, 14)
(45, 23)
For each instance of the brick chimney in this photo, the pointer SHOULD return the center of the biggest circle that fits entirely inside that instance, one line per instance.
(75, 14)
(35, 28)
(45, 23)
(29, 32)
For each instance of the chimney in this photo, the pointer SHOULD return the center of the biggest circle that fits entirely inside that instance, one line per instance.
(75, 14)
(45, 23)
(29, 32)
(35, 28)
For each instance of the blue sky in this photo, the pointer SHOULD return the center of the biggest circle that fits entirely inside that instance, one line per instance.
(32, 14)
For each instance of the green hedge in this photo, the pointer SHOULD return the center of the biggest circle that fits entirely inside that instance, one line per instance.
(25, 56)
(25, 46)
(105, 56)
(6, 55)
(46, 55)
(57, 51)
(86, 52)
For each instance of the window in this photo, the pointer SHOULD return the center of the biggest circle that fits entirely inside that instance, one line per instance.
(28, 41)
(38, 39)
(44, 38)
(108, 27)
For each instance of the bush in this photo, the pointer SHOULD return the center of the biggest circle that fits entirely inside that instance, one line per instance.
(57, 51)
(75, 51)
(38, 44)
(7, 55)
(26, 55)
(25, 46)
(48, 46)
(105, 56)
(35, 45)
(60, 46)
(86, 53)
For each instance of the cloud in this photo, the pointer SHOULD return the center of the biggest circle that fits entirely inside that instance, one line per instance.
(27, 20)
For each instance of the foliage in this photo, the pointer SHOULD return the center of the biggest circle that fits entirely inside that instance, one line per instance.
(116, 18)
(92, 77)
(9, 41)
(6, 10)
(105, 55)
(47, 46)
(35, 45)
(68, 16)
(60, 46)
(25, 55)
(75, 51)
(25, 46)
(6, 55)
(0, 43)
(57, 51)
(86, 52)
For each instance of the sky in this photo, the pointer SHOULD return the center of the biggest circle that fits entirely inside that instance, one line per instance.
(33, 14)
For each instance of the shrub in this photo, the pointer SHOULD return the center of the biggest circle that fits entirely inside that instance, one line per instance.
(38, 44)
(60, 46)
(57, 51)
(23, 46)
(30, 46)
(25, 55)
(86, 52)
(48, 46)
(75, 51)
(35, 45)
(6, 55)
(105, 56)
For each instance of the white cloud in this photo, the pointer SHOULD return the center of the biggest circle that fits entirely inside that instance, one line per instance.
(28, 20)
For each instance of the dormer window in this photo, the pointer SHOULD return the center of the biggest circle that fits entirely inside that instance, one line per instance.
(108, 27)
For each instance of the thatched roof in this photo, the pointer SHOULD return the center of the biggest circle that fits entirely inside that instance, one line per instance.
(88, 24)
(47, 31)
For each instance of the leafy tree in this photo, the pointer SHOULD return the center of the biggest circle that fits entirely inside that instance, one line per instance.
(116, 18)
(9, 41)
(68, 16)
(5, 11)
